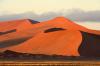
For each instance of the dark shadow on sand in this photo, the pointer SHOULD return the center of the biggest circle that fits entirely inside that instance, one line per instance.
(53, 29)
(90, 45)
(10, 31)
(12, 42)
(33, 21)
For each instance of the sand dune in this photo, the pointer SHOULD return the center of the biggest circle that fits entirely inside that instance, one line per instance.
(9, 25)
(14, 24)
(58, 36)
(15, 29)
(52, 43)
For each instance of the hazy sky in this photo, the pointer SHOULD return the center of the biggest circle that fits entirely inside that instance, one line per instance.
(41, 6)
(86, 10)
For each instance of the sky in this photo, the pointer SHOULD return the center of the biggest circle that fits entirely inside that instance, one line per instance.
(77, 10)
(41, 6)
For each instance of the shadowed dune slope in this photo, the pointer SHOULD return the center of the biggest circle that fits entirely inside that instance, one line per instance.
(90, 45)
(8, 43)
(10, 31)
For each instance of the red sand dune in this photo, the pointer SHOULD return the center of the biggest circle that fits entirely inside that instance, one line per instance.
(60, 22)
(19, 26)
(9, 25)
(67, 24)
(60, 42)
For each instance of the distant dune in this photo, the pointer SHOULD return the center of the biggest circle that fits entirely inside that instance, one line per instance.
(59, 36)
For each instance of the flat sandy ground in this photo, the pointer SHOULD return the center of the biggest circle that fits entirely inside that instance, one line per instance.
(57, 63)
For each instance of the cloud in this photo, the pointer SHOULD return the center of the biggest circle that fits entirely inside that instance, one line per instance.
(80, 15)
(74, 14)
(30, 15)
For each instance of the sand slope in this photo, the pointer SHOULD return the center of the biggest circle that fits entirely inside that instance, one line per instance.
(63, 41)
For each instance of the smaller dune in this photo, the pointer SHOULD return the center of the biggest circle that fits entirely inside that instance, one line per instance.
(10, 25)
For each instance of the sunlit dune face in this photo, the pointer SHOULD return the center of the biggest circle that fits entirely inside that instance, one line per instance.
(60, 43)
(24, 26)
(9, 25)
(5, 26)
(19, 25)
